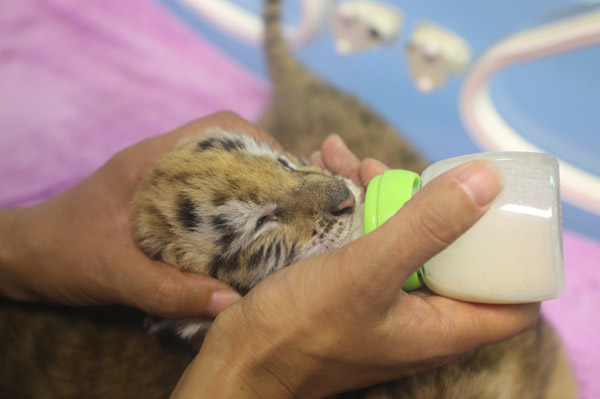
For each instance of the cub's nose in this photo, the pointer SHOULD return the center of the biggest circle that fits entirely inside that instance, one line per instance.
(343, 207)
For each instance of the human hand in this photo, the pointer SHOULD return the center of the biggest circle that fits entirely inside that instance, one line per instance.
(340, 321)
(77, 248)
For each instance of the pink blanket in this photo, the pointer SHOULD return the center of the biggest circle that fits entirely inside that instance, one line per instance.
(81, 80)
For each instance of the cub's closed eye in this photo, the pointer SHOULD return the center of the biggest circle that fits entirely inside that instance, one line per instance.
(263, 220)
(286, 164)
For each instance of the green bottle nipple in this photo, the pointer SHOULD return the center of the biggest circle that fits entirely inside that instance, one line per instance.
(386, 194)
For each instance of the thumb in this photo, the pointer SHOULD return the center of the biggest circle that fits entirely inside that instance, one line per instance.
(165, 291)
(440, 212)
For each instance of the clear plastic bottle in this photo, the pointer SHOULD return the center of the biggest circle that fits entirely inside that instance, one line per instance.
(513, 254)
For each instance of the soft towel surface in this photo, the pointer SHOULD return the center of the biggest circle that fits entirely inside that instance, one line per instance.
(81, 80)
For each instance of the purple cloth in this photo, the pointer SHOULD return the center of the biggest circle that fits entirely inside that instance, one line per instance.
(80, 80)
(575, 313)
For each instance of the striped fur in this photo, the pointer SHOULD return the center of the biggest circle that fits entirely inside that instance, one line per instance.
(234, 209)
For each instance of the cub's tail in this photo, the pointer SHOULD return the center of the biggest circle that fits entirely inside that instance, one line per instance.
(283, 66)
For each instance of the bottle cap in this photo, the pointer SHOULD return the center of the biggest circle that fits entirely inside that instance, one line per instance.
(386, 194)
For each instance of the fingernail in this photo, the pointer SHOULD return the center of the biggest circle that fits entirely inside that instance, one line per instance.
(482, 181)
(220, 300)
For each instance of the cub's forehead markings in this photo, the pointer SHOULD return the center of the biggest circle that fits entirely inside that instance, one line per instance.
(214, 265)
(251, 197)
(277, 251)
(220, 222)
(228, 143)
(207, 144)
(157, 174)
(158, 218)
(185, 177)
(219, 199)
(247, 198)
(233, 183)
(232, 144)
(286, 163)
(256, 258)
(291, 256)
(187, 213)
(227, 238)
(268, 250)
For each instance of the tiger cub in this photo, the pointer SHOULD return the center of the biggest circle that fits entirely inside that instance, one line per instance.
(233, 208)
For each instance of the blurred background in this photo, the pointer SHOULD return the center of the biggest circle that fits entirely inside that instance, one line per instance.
(553, 102)
(80, 80)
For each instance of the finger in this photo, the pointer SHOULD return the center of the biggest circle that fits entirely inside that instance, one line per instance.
(165, 291)
(338, 159)
(369, 169)
(316, 159)
(453, 327)
(464, 326)
(439, 213)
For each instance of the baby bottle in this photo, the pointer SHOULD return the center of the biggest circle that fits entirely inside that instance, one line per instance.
(513, 254)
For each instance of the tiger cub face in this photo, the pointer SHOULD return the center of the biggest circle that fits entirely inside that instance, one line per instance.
(235, 209)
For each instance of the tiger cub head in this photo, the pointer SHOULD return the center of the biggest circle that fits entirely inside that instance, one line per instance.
(233, 208)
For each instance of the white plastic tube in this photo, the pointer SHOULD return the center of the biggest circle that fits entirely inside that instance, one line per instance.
(487, 126)
(249, 27)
